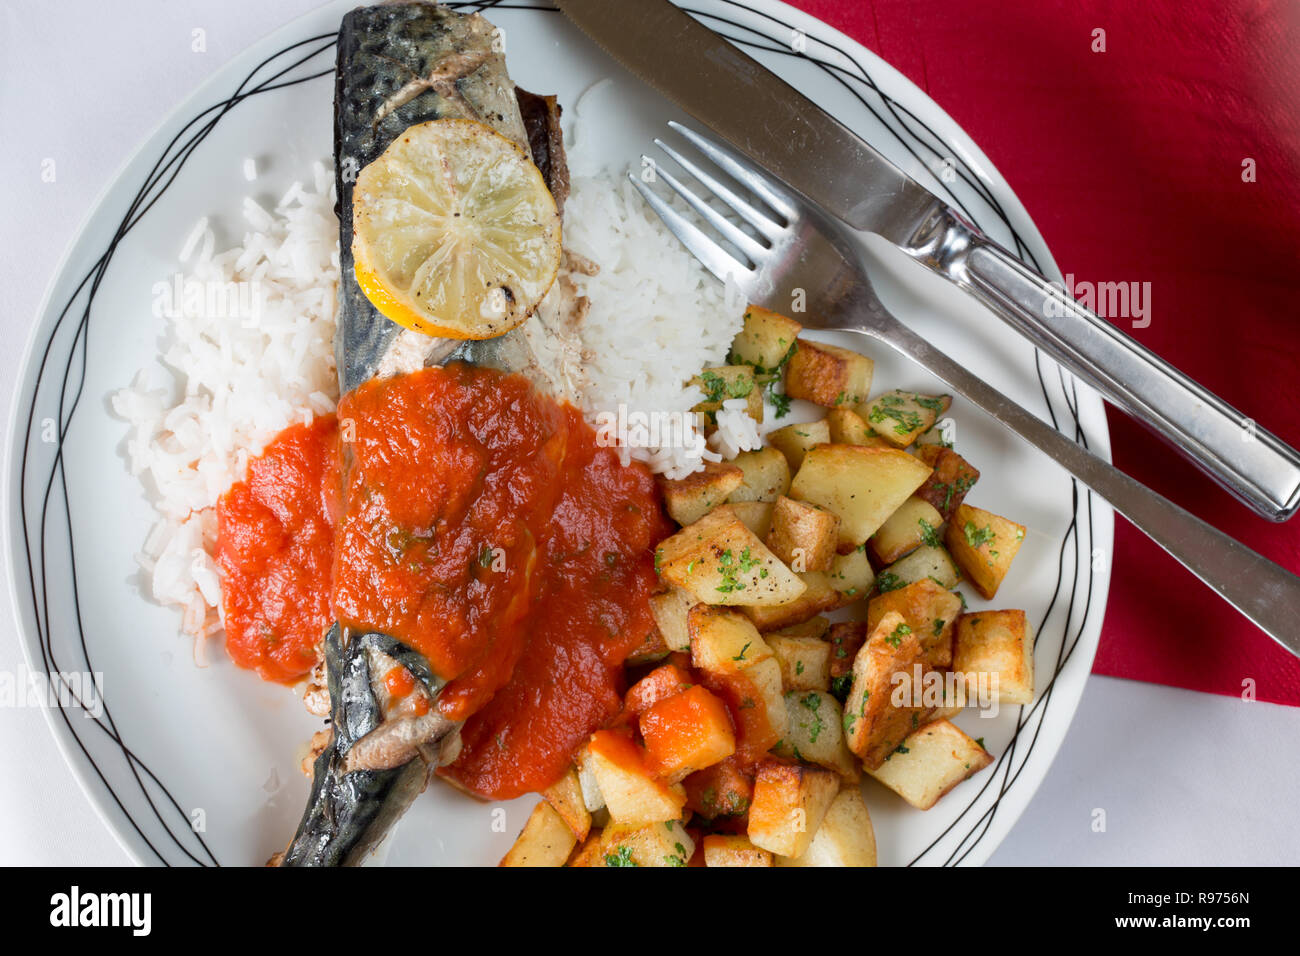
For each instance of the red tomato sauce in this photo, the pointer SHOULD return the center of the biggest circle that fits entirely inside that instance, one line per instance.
(484, 527)
(275, 545)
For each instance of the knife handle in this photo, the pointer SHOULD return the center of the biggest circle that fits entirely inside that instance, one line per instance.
(1250, 462)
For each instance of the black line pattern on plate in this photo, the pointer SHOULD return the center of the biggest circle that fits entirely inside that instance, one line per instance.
(912, 134)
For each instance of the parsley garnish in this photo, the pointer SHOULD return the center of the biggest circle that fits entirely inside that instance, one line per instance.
(976, 537)
(621, 857)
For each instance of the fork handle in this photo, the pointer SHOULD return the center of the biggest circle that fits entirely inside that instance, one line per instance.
(1253, 464)
(1266, 593)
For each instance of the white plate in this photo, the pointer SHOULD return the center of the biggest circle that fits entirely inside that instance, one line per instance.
(191, 765)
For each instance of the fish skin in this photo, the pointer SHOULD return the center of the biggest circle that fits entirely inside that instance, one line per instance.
(382, 51)
(387, 58)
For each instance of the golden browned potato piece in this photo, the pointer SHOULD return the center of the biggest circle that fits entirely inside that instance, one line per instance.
(765, 341)
(804, 661)
(790, 801)
(632, 794)
(689, 499)
(845, 838)
(984, 545)
(804, 536)
(659, 844)
(718, 560)
(847, 427)
(932, 761)
(546, 840)
(725, 382)
(930, 610)
(952, 478)
(767, 475)
(565, 798)
(862, 486)
(923, 562)
(721, 849)
(901, 417)
(874, 723)
(815, 732)
(916, 522)
(669, 610)
(818, 597)
(793, 441)
(998, 643)
(828, 375)
(754, 515)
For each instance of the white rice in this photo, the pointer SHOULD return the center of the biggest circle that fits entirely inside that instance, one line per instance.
(656, 317)
(233, 382)
(234, 376)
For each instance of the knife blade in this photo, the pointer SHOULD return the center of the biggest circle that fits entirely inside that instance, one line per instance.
(757, 112)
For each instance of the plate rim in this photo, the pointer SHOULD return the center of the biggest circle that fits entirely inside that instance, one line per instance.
(1089, 410)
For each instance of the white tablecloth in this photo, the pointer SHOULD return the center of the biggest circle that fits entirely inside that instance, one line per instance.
(1183, 777)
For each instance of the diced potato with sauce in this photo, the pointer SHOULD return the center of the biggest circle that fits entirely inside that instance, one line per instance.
(721, 849)
(669, 611)
(900, 417)
(804, 661)
(631, 792)
(766, 475)
(862, 486)
(790, 801)
(997, 643)
(828, 375)
(931, 761)
(762, 683)
(658, 844)
(847, 427)
(754, 515)
(793, 441)
(566, 799)
(815, 732)
(727, 644)
(765, 342)
(720, 561)
(845, 838)
(952, 478)
(686, 732)
(661, 683)
(689, 499)
(846, 638)
(652, 648)
(922, 563)
(722, 790)
(984, 544)
(724, 382)
(804, 536)
(929, 609)
(916, 522)
(819, 596)
(874, 724)
(546, 840)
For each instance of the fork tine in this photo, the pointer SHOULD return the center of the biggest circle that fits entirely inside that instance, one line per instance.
(739, 171)
(733, 234)
(763, 223)
(711, 255)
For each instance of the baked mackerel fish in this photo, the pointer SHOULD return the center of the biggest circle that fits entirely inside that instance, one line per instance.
(400, 65)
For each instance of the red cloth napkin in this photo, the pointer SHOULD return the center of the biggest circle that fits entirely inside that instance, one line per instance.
(1131, 163)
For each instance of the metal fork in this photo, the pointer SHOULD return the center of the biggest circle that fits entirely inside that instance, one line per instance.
(801, 248)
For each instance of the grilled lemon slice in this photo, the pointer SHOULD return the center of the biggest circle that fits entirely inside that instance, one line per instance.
(454, 231)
